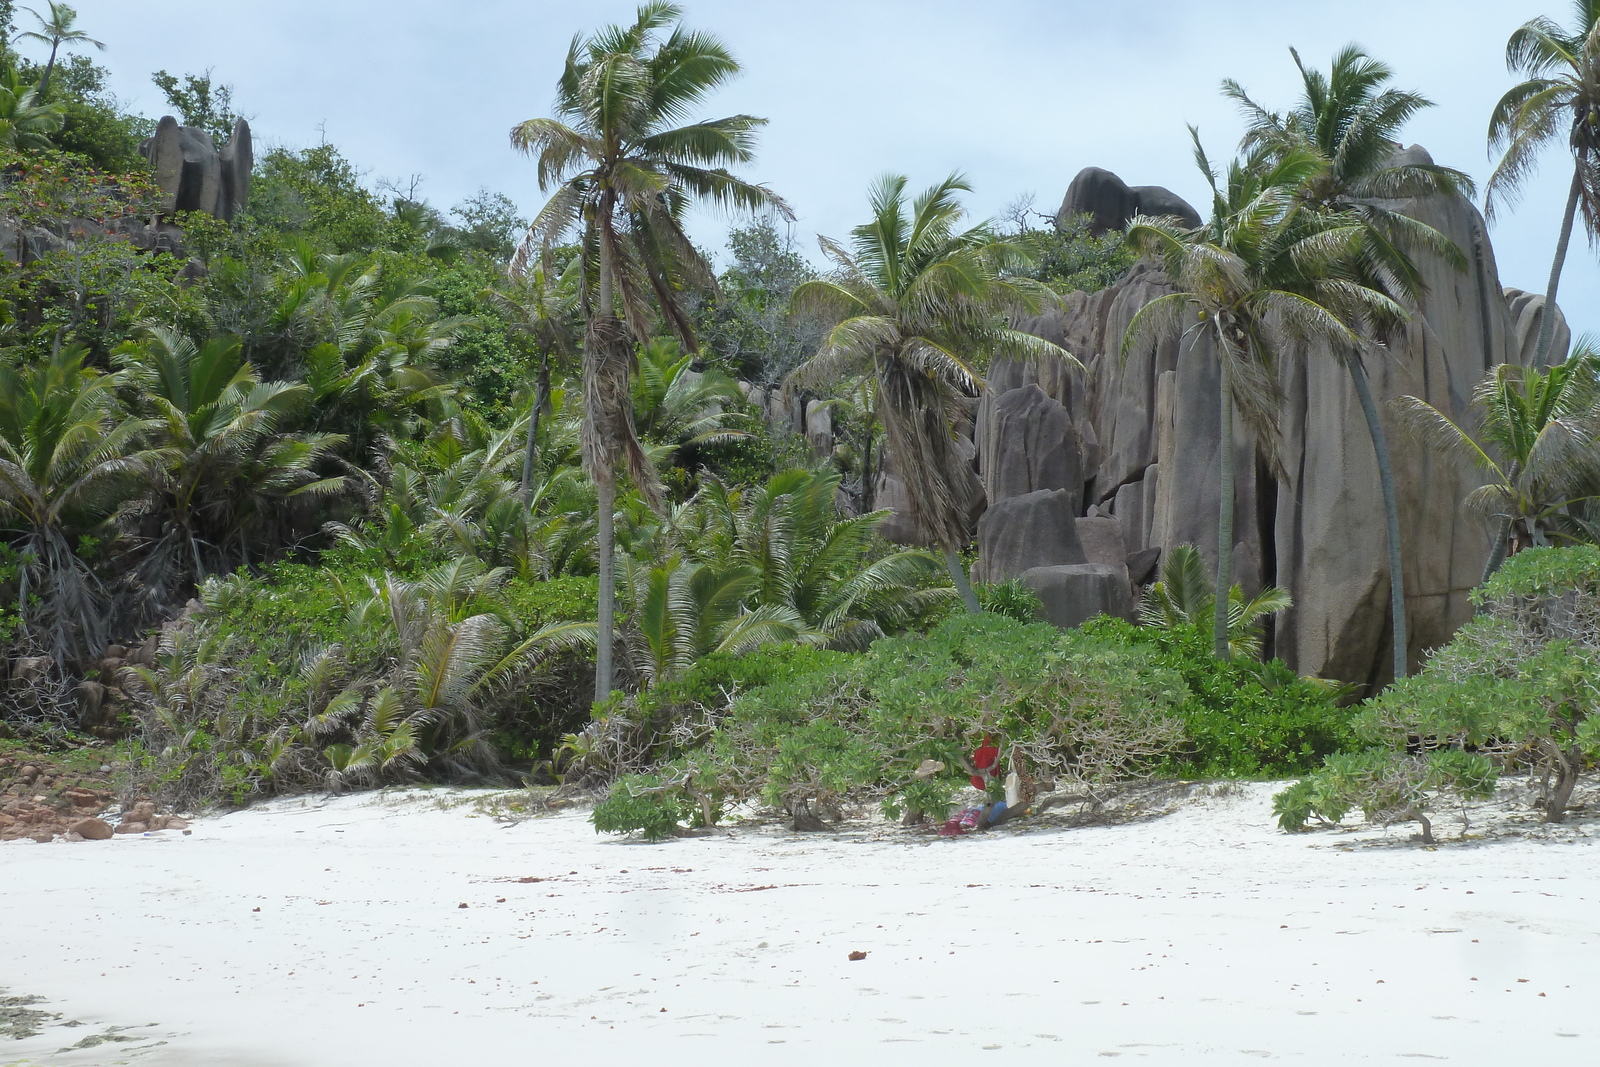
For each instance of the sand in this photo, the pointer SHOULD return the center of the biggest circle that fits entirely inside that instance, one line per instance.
(331, 932)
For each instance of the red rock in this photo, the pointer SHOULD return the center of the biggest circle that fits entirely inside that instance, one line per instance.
(127, 827)
(175, 823)
(44, 837)
(93, 829)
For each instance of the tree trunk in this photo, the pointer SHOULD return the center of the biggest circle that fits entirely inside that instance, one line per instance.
(1567, 764)
(605, 540)
(1547, 321)
(1391, 513)
(541, 397)
(958, 575)
(49, 68)
(1220, 616)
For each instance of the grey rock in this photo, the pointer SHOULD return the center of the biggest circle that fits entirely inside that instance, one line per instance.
(1101, 537)
(1142, 566)
(819, 427)
(193, 175)
(1527, 313)
(1071, 595)
(1027, 443)
(1110, 202)
(1020, 533)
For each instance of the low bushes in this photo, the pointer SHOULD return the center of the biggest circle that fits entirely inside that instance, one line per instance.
(1515, 690)
(1086, 709)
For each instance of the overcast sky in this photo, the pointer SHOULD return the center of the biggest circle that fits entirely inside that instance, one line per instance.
(1019, 94)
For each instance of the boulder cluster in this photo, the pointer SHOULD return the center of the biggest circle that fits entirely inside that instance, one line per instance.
(41, 803)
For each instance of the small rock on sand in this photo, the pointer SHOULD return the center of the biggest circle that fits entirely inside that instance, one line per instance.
(92, 829)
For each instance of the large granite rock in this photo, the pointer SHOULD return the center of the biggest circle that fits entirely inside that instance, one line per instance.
(1110, 202)
(1071, 595)
(1316, 526)
(1019, 533)
(1027, 442)
(890, 492)
(1527, 312)
(193, 175)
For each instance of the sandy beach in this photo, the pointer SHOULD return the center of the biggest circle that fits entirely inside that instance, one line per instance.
(415, 930)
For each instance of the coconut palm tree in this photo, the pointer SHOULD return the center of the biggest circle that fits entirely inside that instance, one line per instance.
(1260, 273)
(26, 122)
(1559, 98)
(919, 304)
(70, 457)
(57, 30)
(1538, 440)
(623, 171)
(1350, 117)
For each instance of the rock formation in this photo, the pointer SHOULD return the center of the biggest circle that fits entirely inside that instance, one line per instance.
(1110, 202)
(1145, 431)
(193, 175)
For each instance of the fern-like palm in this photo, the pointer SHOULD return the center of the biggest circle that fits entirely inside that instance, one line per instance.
(1185, 597)
(1537, 440)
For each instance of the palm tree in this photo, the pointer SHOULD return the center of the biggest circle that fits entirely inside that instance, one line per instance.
(810, 559)
(226, 469)
(543, 305)
(918, 304)
(1560, 96)
(1538, 440)
(678, 407)
(56, 31)
(684, 611)
(1252, 278)
(1184, 597)
(623, 174)
(70, 457)
(1350, 118)
(25, 122)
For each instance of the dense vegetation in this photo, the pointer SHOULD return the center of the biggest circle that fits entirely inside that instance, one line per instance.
(351, 489)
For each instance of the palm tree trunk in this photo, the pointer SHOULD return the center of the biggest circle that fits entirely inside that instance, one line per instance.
(49, 68)
(1547, 321)
(1502, 533)
(541, 397)
(958, 575)
(1220, 615)
(606, 623)
(1391, 513)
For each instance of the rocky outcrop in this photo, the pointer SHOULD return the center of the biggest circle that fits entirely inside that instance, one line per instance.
(1026, 443)
(1309, 519)
(1527, 312)
(1071, 595)
(1020, 533)
(1110, 202)
(193, 175)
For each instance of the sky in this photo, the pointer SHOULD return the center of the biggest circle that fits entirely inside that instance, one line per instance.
(1017, 94)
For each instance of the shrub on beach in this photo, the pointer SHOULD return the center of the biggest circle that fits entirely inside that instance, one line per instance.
(1514, 691)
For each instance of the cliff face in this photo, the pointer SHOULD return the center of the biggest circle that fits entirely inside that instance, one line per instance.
(1147, 436)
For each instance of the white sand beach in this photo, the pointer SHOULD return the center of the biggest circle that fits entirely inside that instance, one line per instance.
(409, 932)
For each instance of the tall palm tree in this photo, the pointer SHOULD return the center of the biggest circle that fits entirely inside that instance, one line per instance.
(1538, 440)
(1560, 97)
(1350, 117)
(623, 173)
(919, 304)
(1258, 274)
(70, 457)
(57, 30)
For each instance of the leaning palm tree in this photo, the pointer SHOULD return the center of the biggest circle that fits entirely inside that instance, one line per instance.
(919, 304)
(1560, 97)
(1538, 442)
(1350, 117)
(57, 30)
(1260, 273)
(623, 173)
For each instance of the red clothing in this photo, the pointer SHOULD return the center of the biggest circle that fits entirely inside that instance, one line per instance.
(983, 759)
